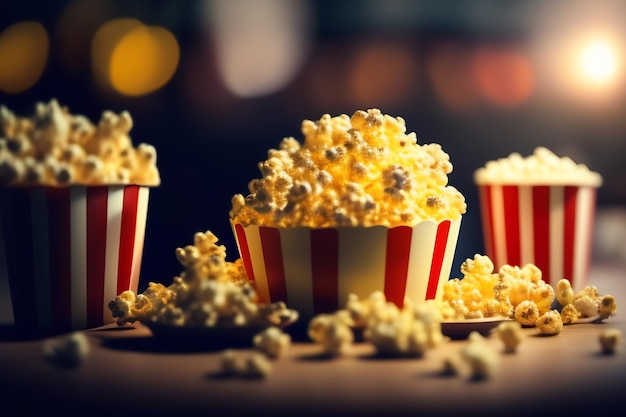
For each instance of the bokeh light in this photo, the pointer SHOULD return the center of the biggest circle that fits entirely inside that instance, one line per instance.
(23, 56)
(132, 58)
(598, 62)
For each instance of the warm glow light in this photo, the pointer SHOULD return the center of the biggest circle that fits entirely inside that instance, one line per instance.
(23, 56)
(144, 60)
(598, 62)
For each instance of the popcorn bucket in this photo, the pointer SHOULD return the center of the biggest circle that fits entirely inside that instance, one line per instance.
(314, 270)
(65, 252)
(550, 226)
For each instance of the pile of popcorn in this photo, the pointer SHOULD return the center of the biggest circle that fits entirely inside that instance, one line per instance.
(520, 293)
(362, 170)
(209, 292)
(56, 148)
(543, 166)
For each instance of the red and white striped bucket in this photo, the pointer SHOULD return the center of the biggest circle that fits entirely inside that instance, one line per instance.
(66, 252)
(314, 270)
(548, 226)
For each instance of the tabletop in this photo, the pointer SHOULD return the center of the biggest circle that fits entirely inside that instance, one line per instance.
(129, 371)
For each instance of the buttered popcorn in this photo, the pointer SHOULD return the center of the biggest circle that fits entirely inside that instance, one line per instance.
(209, 292)
(351, 171)
(56, 148)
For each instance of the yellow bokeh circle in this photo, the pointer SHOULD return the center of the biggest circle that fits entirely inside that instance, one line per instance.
(24, 50)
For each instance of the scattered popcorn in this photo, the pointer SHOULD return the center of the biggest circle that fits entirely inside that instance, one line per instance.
(481, 293)
(209, 292)
(479, 356)
(541, 167)
(527, 313)
(550, 323)
(56, 148)
(569, 314)
(332, 332)
(68, 350)
(451, 366)
(254, 366)
(590, 303)
(607, 307)
(609, 340)
(273, 342)
(510, 334)
(564, 292)
(362, 170)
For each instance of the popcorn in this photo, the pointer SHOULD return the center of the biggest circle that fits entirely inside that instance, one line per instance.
(564, 292)
(209, 292)
(332, 332)
(609, 340)
(543, 166)
(362, 170)
(527, 313)
(68, 350)
(550, 323)
(273, 342)
(254, 366)
(479, 356)
(590, 303)
(55, 148)
(569, 314)
(482, 293)
(510, 334)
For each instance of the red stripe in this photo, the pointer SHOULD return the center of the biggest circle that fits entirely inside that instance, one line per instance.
(127, 237)
(17, 229)
(570, 195)
(512, 224)
(541, 229)
(59, 226)
(274, 267)
(441, 243)
(397, 263)
(97, 198)
(325, 270)
(488, 225)
(244, 251)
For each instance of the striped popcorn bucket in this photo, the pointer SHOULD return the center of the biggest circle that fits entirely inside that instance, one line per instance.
(66, 252)
(550, 226)
(314, 270)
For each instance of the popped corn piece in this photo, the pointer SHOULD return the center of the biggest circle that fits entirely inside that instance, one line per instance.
(273, 342)
(362, 170)
(332, 332)
(607, 307)
(564, 292)
(68, 350)
(510, 334)
(609, 340)
(527, 313)
(569, 314)
(55, 148)
(550, 323)
(230, 363)
(587, 301)
(361, 310)
(451, 366)
(257, 366)
(479, 356)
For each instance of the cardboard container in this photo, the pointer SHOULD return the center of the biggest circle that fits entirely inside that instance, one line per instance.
(314, 270)
(550, 226)
(66, 252)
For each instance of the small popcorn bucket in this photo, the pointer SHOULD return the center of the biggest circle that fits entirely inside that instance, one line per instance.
(314, 270)
(66, 252)
(550, 226)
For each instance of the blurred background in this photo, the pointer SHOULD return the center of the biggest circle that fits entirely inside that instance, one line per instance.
(213, 84)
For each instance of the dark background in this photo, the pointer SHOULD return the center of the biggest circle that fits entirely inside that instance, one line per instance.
(355, 55)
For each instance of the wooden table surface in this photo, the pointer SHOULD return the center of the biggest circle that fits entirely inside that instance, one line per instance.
(130, 372)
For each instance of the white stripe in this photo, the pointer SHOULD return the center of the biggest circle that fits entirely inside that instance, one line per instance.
(446, 266)
(115, 203)
(296, 252)
(526, 232)
(583, 236)
(140, 233)
(499, 234)
(6, 305)
(557, 217)
(420, 260)
(78, 243)
(41, 257)
(253, 237)
(361, 261)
